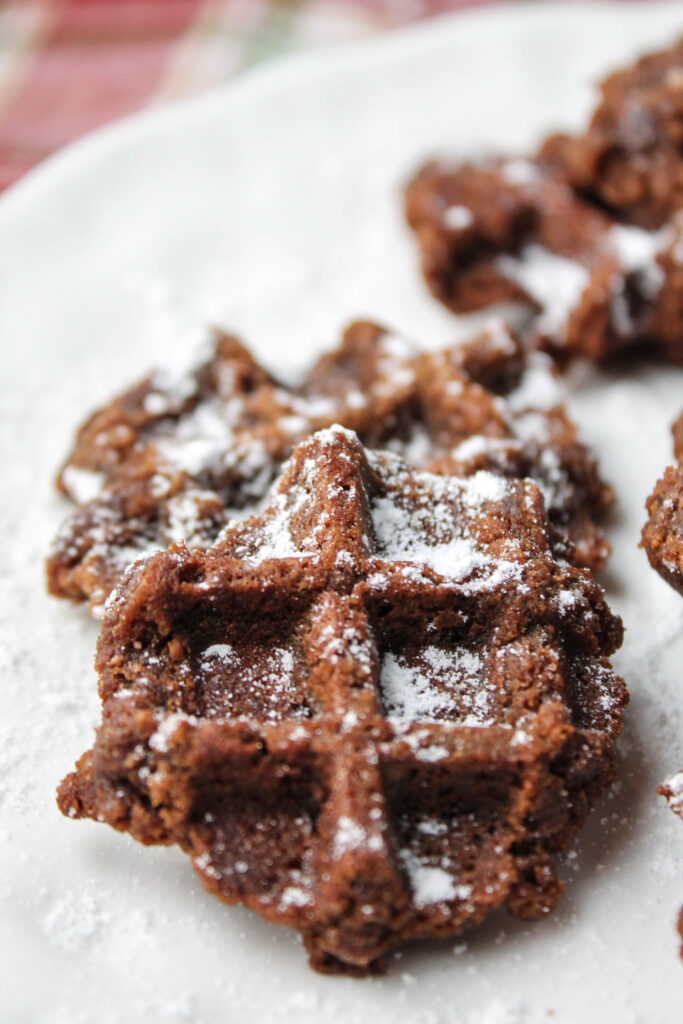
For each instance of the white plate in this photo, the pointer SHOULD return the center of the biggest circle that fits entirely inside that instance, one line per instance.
(273, 207)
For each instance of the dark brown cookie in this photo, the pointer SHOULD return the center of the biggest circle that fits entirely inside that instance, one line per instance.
(372, 713)
(468, 217)
(176, 457)
(506, 230)
(630, 158)
(663, 532)
(662, 539)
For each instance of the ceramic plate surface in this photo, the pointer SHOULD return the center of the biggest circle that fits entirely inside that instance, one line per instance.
(273, 207)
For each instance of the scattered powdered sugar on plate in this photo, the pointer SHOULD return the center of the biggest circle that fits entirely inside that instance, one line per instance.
(74, 920)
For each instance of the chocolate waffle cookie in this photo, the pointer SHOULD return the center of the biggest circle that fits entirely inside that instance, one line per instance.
(662, 539)
(630, 158)
(371, 713)
(508, 231)
(663, 532)
(179, 454)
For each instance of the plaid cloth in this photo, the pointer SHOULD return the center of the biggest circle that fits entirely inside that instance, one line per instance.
(68, 66)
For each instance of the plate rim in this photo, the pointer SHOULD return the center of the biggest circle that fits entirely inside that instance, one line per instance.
(288, 69)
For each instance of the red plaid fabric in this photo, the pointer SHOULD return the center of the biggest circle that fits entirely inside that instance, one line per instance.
(68, 66)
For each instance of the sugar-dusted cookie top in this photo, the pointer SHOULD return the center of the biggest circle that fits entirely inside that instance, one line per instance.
(507, 230)
(371, 712)
(180, 454)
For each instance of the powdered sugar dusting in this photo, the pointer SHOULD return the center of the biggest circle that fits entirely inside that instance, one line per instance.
(276, 540)
(672, 789)
(554, 282)
(435, 683)
(519, 171)
(349, 836)
(394, 363)
(277, 536)
(295, 896)
(430, 883)
(201, 438)
(176, 380)
(637, 252)
(159, 740)
(185, 522)
(267, 674)
(457, 217)
(205, 864)
(432, 529)
(82, 485)
(539, 387)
